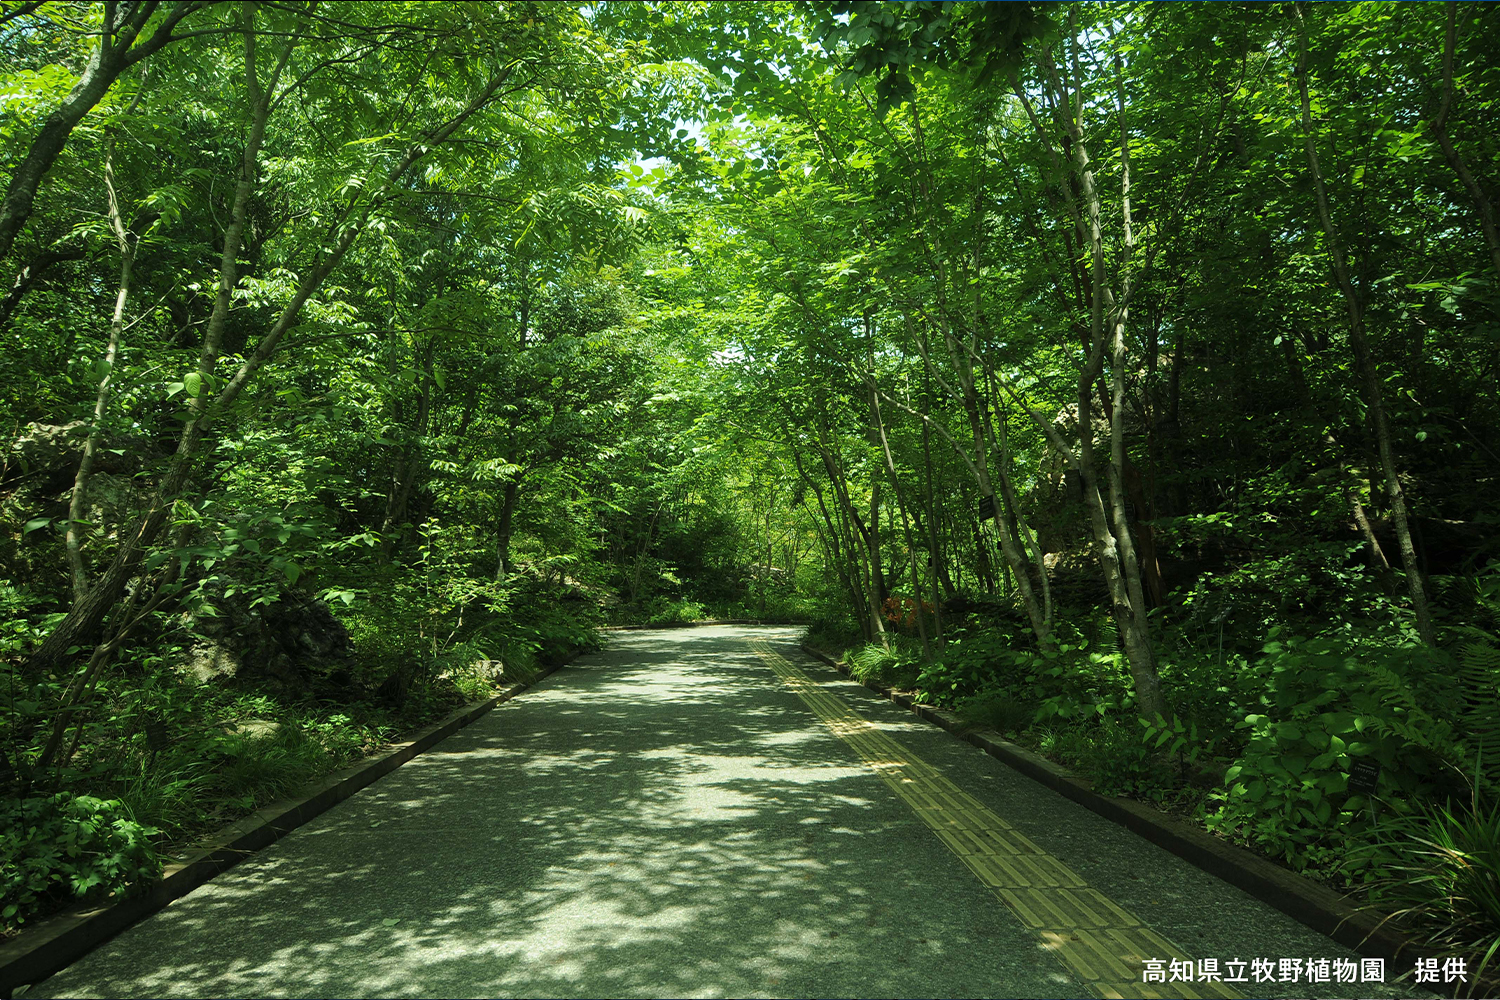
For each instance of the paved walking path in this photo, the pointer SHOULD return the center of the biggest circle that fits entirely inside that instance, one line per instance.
(704, 813)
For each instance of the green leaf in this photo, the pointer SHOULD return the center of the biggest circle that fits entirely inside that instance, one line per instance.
(287, 568)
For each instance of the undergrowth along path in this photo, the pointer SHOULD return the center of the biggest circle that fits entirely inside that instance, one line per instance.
(685, 815)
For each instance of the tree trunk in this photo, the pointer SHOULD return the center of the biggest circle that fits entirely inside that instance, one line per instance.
(831, 540)
(878, 590)
(1015, 526)
(28, 276)
(1010, 548)
(934, 530)
(1483, 207)
(79, 502)
(911, 548)
(857, 536)
(111, 57)
(81, 625)
(1364, 360)
(963, 355)
(1112, 542)
(508, 494)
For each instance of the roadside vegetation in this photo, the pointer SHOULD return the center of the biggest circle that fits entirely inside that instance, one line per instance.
(1123, 376)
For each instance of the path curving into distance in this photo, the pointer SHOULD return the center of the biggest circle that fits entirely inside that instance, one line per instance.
(701, 812)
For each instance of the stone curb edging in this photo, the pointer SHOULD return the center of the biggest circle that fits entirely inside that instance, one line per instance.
(40, 951)
(1313, 905)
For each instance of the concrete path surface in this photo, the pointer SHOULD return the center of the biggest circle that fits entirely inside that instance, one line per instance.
(709, 813)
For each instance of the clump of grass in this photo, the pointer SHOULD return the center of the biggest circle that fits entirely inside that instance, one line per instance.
(895, 667)
(1444, 877)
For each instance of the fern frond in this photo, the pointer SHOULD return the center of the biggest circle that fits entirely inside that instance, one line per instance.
(1479, 673)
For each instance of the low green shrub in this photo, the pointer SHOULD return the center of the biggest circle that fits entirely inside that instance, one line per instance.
(1074, 682)
(256, 769)
(1119, 760)
(831, 631)
(1324, 703)
(975, 661)
(663, 610)
(1113, 752)
(1003, 711)
(65, 846)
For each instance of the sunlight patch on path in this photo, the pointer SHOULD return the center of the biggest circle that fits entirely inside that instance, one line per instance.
(1099, 941)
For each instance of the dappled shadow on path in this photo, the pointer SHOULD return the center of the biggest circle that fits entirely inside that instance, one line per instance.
(662, 819)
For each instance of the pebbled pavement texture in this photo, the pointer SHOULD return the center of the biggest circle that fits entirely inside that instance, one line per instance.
(702, 812)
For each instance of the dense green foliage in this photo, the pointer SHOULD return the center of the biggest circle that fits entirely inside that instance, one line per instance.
(1123, 375)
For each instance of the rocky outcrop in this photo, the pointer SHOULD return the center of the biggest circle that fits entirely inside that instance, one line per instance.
(41, 447)
(293, 644)
(51, 452)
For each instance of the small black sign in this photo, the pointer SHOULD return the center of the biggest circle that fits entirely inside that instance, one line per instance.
(1363, 775)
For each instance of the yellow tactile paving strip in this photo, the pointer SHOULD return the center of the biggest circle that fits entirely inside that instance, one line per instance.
(1099, 941)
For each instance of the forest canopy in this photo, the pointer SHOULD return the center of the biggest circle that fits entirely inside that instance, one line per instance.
(1123, 375)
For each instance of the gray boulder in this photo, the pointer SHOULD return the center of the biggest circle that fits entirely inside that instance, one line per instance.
(293, 644)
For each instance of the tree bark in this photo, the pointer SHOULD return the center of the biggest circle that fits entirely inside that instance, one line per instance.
(116, 52)
(81, 625)
(1010, 548)
(911, 548)
(934, 532)
(28, 276)
(832, 540)
(79, 502)
(863, 540)
(878, 592)
(1364, 360)
(1018, 528)
(963, 354)
(1143, 663)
